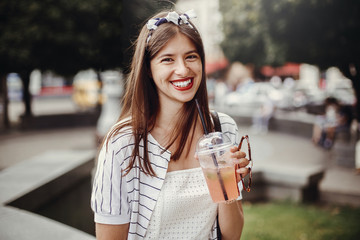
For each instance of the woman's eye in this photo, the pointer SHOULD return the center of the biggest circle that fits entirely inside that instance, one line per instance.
(166, 60)
(192, 57)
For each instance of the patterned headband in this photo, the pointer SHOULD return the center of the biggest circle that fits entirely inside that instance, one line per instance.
(172, 17)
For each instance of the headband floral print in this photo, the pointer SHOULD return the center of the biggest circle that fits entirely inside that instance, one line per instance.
(172, 17)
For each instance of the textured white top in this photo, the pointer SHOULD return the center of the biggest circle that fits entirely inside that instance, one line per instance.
(184, 209)
(118, 198)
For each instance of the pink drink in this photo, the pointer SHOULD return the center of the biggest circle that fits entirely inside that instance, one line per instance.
(229, 179)
(213, 151)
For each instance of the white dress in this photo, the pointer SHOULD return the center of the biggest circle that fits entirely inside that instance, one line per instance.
(184, 209)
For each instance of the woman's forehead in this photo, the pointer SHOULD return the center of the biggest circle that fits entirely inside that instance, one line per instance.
(178, 43)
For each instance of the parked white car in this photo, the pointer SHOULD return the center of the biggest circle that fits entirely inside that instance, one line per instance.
(253, 97)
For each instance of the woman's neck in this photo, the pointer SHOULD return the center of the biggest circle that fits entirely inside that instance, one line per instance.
(165, 123)
(168, 116)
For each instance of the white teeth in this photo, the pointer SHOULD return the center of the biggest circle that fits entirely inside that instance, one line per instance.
(182, 84)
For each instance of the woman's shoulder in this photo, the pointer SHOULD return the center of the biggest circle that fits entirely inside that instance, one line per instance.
(229, 127)
(118, 143)
(124, 135)
(226, 120)
(121, 133)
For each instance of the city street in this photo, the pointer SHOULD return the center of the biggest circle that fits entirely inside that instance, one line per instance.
(284, 153)
(281, 148)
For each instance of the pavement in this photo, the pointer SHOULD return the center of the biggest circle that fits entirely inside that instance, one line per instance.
(17, 146)
(35, 167)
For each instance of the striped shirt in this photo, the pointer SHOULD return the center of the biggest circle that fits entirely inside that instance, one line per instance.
(118, 198)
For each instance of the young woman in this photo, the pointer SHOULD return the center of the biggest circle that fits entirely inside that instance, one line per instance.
(148, 183)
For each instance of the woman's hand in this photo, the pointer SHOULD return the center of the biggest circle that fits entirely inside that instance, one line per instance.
(241, 162)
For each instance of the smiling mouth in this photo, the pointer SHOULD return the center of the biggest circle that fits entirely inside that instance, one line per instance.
(183, 84)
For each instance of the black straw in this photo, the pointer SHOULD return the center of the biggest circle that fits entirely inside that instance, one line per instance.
(212, 155)
(201, 116)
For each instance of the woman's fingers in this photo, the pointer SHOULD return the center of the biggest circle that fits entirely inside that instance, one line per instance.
(236, 153)
(242, 173)
(242, 162)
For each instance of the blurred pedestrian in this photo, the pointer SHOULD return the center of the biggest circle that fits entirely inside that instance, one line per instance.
(221, 89)
(324, 126)
(344, 119)
(153, 145)
(336, 121)
(262, 116)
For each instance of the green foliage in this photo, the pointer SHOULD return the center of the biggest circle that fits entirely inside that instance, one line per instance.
(243, 34)
(285, 220)
(325, 33)
(47, 34)
(66, 36)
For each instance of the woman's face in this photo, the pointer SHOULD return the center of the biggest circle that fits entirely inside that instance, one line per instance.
(177, 70)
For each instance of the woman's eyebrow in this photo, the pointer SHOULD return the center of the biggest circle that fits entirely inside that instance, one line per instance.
(173, 54)
(166, 55)
(192, 51)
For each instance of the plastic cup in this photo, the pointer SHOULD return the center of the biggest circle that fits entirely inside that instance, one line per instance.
(213, 151)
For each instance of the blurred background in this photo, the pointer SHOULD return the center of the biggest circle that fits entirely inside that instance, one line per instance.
(286, 70)
(293, 53)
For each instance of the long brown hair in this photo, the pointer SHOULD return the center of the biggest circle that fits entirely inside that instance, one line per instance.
(141, 101)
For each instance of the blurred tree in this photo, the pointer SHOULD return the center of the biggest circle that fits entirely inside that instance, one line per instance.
(48, 35)
(119, 26)
(66, 36)
(243, 29)
(318, 32)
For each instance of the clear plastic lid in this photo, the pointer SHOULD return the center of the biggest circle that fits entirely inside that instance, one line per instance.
(215, 141)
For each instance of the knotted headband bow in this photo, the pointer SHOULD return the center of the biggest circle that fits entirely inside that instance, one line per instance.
(172, 17)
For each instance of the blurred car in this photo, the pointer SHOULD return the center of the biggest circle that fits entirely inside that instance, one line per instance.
(343, 91)
(314, 98)
(298, 100)
(311, 99)
(248, 100)
(313, 95)
(346, 96)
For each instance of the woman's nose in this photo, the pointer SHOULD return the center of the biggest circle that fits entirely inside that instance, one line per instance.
(181, 68)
